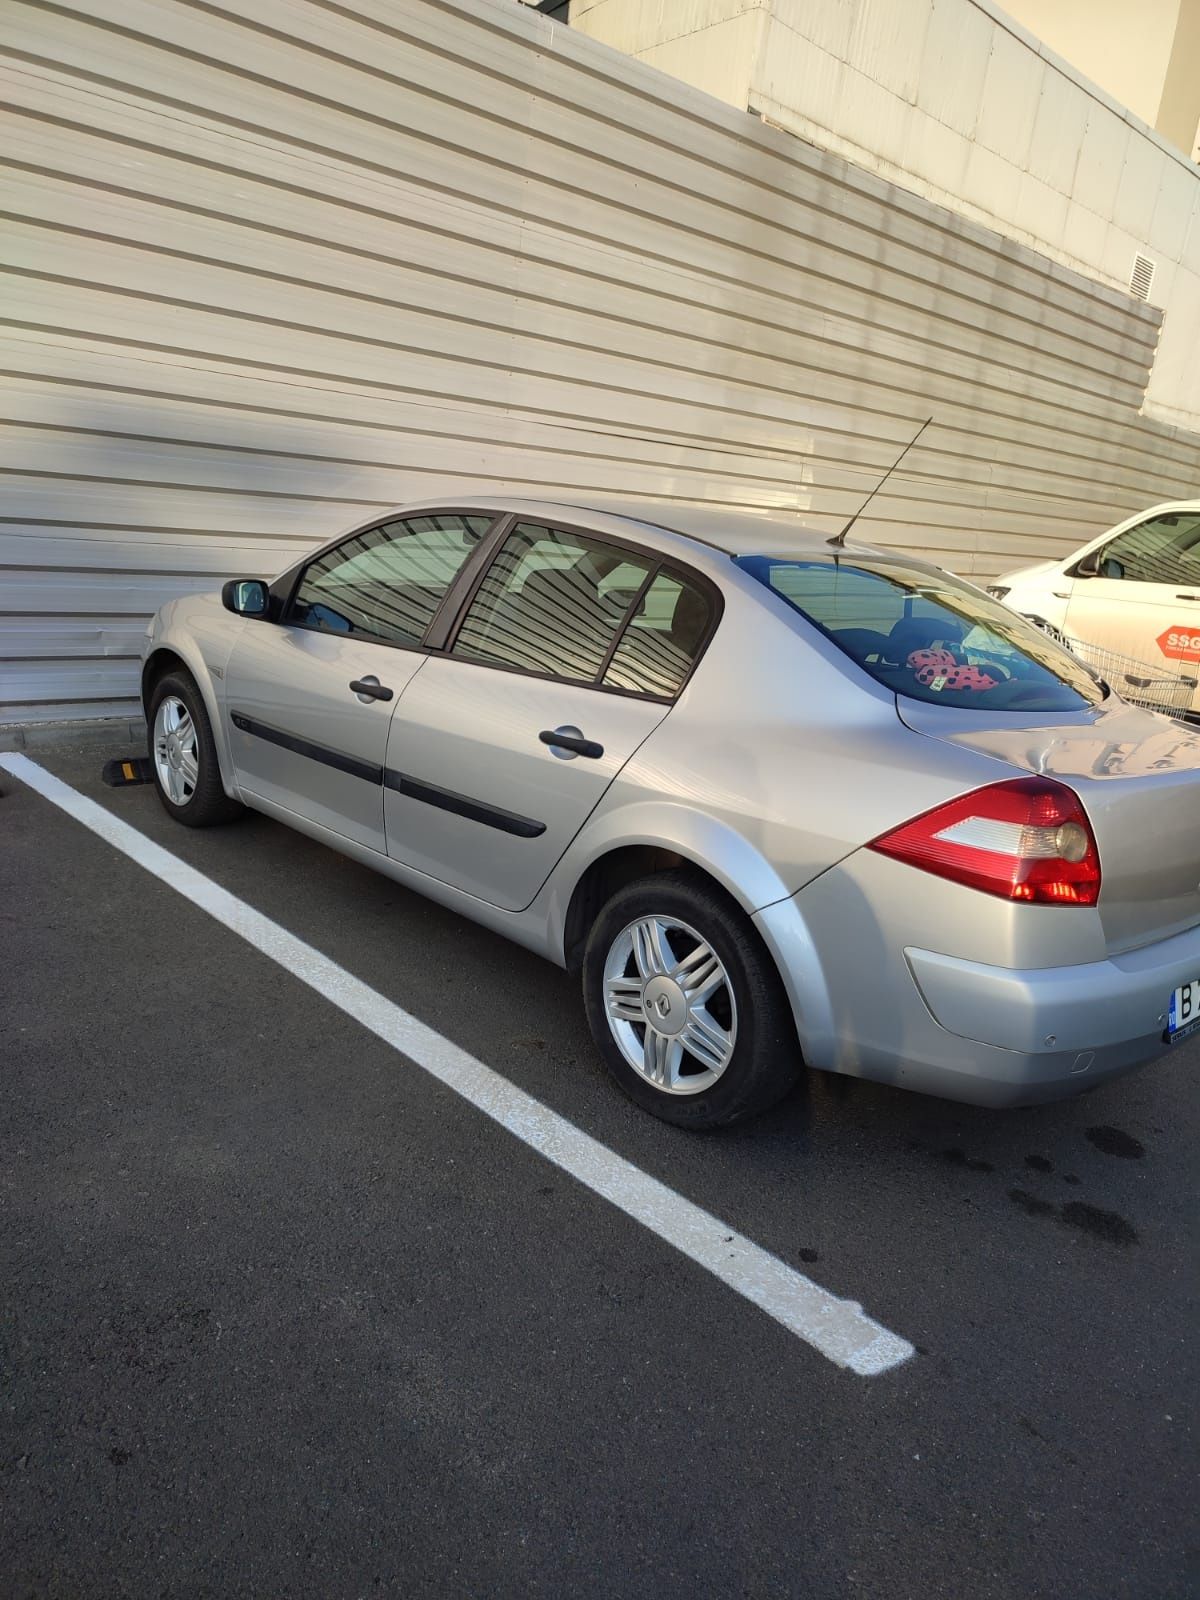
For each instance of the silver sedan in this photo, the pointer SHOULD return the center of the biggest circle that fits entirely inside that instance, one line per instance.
(780, 801)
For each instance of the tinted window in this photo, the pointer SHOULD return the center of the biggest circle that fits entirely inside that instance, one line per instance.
(663, 638)
(551, 603)
(388, 582)
(926, 634)
(1164, 549)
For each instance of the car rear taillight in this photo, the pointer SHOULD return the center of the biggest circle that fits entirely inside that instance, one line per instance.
(1028, 840)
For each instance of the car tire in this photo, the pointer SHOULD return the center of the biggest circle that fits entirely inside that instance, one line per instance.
(727, 1000)
(183, 755)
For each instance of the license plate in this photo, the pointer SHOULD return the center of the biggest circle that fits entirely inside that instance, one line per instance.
(1184, 1015)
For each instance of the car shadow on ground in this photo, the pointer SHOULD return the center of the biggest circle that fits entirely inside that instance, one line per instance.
(524, 1017)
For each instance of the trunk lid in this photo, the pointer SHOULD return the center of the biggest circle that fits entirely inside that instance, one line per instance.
(1138, 775)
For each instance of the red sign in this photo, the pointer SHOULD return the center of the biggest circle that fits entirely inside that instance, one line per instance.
(1181, 643)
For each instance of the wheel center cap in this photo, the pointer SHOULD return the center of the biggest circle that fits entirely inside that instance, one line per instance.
(666, 1007)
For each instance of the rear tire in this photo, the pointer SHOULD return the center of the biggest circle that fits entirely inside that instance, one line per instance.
(183, 755)
(686, 1005)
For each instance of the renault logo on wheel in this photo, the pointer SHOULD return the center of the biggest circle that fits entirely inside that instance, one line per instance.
(663, 1006)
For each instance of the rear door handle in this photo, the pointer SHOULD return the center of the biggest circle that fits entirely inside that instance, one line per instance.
(370, 689)
(1187, 597)
(568, 742)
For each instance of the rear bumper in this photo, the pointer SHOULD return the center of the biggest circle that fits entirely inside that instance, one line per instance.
(869, 1005)
(1058, 1008)
(1064, 1028)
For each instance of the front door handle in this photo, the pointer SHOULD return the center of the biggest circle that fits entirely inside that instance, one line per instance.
(370, 688)
(1187, 597)
(1061, 594)
(568, 742)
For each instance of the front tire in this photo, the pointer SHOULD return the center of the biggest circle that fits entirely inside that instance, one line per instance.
(686, 1005)
(183, 755)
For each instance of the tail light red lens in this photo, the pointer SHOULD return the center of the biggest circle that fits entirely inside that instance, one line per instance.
(1029, 839)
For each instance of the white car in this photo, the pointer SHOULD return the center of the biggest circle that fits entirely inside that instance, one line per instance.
(1134, 590)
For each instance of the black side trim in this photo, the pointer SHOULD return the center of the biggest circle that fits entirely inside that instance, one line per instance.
(445, 799)
(463, 806)
(304, 747)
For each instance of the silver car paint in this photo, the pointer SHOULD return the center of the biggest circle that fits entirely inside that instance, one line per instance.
(778, 762)
(1137, 780)
(459, 720)
(299, 680)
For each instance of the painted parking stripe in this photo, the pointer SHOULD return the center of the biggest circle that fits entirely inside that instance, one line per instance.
(839, 1329)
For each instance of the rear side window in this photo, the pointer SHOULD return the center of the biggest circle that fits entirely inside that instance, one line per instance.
(928, 635)
(663, 638)
(388, 582)
(564, 606)
(1163, 549)
(551, 603)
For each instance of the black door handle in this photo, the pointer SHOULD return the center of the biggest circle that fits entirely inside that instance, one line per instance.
(571, 741)
(1187, 597)
(371, 687)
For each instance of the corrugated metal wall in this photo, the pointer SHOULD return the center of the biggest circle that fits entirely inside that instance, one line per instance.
(272, 264)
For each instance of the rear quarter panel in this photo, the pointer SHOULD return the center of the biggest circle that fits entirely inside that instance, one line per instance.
(1138, 776)
(779, 759)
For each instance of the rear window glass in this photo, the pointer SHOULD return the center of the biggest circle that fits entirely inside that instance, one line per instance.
(928, 635)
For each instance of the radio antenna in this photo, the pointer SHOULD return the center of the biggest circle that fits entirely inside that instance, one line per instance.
(839, 539)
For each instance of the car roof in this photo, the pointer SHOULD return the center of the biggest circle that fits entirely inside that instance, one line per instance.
(737, 532)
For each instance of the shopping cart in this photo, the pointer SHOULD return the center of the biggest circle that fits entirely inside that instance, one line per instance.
(1141, 683)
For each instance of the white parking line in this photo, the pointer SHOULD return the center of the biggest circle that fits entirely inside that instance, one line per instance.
(839, 1329)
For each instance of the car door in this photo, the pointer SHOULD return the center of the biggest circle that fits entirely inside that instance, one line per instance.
(568, 656)
(1140, 594)
(308, 699)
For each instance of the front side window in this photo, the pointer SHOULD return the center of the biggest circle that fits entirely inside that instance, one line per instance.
(388, 582)
(551, 603)
(1163, 549)
(925, 634)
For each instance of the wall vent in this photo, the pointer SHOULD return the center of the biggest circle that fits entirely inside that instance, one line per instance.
(1141, 277)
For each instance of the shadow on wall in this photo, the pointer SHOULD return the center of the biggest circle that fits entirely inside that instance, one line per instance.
(129, 504)
(116, 517)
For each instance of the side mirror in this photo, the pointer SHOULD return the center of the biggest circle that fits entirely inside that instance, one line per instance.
(1089, 567)
(246, 597)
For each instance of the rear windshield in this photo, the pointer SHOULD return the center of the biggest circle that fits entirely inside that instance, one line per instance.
(928, 635)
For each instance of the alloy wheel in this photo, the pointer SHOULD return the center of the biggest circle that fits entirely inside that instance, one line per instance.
(670, 1005)
(176, 750)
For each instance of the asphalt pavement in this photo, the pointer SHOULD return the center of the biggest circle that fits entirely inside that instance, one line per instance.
(283, 1316)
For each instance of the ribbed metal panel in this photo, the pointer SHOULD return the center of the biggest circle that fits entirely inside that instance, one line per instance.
(272, 264)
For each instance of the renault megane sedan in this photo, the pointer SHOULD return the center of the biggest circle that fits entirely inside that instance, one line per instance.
(781, 802)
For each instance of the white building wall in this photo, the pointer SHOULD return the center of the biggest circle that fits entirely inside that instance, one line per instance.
(271, 269)
(714, 45)
(954, 100)
(1123, 49)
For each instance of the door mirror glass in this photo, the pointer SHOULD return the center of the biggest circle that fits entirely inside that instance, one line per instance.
(246, 597)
